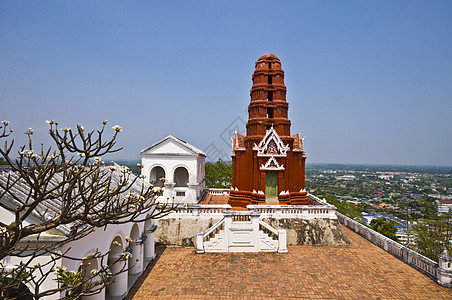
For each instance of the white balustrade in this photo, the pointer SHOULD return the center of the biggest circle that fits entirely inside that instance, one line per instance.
(414, 259)
(219, 192)
(199, 211)
(306, 212)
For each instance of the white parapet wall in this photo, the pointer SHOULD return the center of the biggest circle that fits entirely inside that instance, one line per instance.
(180, 226)
(441, 272)
(208, 211)
(199, 211)
(305, 212)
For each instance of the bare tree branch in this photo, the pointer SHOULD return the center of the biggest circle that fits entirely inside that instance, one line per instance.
(67, 185)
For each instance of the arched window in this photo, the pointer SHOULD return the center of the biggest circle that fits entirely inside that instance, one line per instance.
(156, 174)
(181, 177)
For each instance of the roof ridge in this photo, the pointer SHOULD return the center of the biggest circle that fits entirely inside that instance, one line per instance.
(190, 147)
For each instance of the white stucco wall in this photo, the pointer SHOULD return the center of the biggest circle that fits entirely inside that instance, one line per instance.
(49, 283)
(170, 155)
(99, 240)
(8, 217)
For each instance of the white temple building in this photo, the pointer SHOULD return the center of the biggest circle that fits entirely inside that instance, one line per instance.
(180, 164)
(136, 239)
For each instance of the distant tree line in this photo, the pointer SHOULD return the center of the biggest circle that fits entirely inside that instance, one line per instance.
(433, 236)
(429, 237)
(352, 211)
(345, 208)
(218, 174)
(386, 228)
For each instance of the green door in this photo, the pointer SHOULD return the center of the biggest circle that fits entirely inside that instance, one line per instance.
(271, 184)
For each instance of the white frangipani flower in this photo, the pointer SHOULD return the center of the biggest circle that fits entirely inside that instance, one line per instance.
(117, 128)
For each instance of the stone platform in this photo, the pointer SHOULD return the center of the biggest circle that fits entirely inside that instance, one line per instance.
(360, 270)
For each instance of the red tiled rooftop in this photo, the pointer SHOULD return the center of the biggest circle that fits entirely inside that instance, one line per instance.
(359, 271)
(216, 199)
(445, 201)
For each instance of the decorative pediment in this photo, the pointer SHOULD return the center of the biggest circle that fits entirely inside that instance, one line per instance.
(272, 165)
(172, 146)
(271, 145)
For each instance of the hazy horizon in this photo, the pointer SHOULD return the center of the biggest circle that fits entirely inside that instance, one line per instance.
(328, 164)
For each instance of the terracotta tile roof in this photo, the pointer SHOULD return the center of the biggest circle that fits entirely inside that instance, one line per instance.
(51, 207)
(359, 271)
(214, 199)
(445, 201)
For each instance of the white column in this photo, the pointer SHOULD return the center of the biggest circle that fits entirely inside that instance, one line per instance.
(169, 192)
(149, 243)
(191, 193)
(136, 260)
(98, 296)
(118, 285)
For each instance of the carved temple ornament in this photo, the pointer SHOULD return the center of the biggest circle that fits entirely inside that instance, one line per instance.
(236, 143)
(272, 165)
(271, 145)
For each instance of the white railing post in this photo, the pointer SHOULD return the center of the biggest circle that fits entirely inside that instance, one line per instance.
(227, 230)
(255, 236)
(445, 269)
(196, 210)
(200, 242)
(282, 241)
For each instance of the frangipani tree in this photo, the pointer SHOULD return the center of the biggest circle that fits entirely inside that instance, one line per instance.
(68, 188)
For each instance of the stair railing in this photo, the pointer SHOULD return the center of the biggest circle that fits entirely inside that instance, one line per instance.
(206, 236)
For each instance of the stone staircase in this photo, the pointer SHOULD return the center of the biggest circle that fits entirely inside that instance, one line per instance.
(215, 244)
(241, 231)
(267, 243)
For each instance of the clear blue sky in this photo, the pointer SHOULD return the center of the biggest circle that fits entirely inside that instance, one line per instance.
(368, 81)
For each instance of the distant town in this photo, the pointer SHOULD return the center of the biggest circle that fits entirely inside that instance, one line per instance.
(397, 192)
(417, 199)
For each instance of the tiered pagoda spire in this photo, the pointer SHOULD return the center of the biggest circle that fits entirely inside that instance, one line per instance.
(268, 105)
(268, 164)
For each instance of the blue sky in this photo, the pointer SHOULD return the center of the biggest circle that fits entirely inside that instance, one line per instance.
(367, 81)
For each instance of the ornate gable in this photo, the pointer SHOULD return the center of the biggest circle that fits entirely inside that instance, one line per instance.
(271, 145)
(272, 165)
